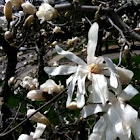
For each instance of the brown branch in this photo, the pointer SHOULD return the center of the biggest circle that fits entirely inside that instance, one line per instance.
(11, 66)
(105, 11)
(55, 98)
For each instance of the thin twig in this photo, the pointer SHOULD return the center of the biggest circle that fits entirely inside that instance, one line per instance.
(41, 107)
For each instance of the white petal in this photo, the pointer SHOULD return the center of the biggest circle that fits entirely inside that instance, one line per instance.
(24, 137)
(92, 109)
(113, 80)
(99, 88)
(61, 70)
(110, 65)
(39, 130)
(100, 126)
(92, 42)
(113, 75)
(136, 129)
(71, 87)
(71, 56)
(94, 136)
(129, 115)
(99, 60)
(81, 91)
(116, 121)
(128, 93)
(112, 98)
(69, 79)
(125, 75)
(110, 135)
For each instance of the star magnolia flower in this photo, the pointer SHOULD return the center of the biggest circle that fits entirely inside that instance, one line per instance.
(46, 12)
(38, 132)
(95, 70)
(118, 121)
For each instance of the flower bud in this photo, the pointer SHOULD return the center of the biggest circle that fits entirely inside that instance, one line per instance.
(72, 105)
(11, 81)
(8, 35)
(17, 3)
(29, 8)
(36, 95)
(28, 21)
(8, 11)
(38, 117)
(57, 30)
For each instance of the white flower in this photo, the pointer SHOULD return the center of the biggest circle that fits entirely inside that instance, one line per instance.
(29, 83)
(119, 120)
(94, 70)
(46, 12)
(37, 134)
(51, 87)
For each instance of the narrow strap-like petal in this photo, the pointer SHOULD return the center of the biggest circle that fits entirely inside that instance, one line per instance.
(136, 129)
(125, 75)
(80, 96)
(71, 56)
(128, 93)
(92, 109)
(99, 88)
(92, 42)
(72, 86)
(113, 75)
(61, 70)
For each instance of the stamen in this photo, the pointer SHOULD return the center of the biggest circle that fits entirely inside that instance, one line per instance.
(94, 68)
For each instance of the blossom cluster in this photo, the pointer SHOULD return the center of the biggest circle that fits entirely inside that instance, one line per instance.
(104, 92)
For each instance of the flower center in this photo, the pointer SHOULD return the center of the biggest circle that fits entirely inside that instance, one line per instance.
(94, 68)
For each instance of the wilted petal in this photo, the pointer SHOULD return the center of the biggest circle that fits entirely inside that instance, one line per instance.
(61, 70)
(92, 109)
(92, 42)
(71, 56)
(39, 130)
(125, 75)
(136, 129)
(128, 93)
